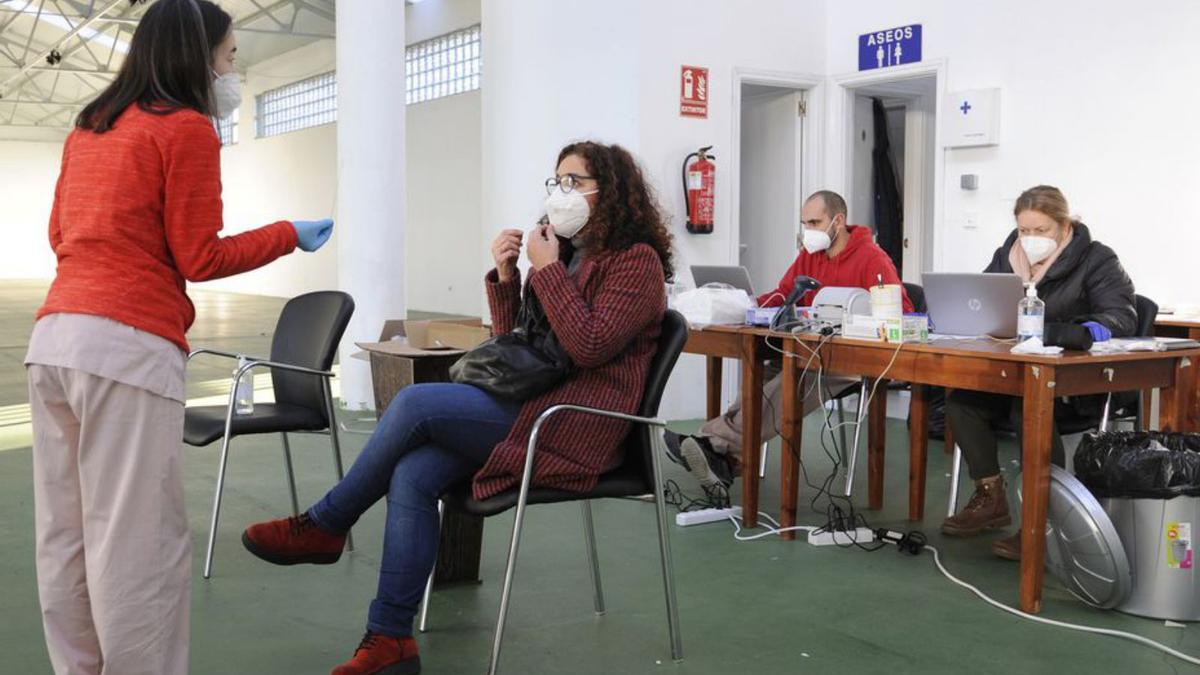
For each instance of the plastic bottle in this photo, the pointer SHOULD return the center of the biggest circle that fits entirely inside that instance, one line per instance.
(1031, 315)
(244, 399)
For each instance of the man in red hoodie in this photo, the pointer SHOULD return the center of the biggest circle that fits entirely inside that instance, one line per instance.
(836, 255)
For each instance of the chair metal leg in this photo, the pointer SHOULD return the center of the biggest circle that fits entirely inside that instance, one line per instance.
(589, 536)
(955, 470)
(762, 461)
(433, 572)
(509, 568)
(1107, 414)
(216, 511)
(291, 474)
(668, 567)
(845, 448)
(337, 449)
(863, 393)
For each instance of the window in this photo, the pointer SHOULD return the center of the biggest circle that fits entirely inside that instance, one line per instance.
(442, 66)
(303, 104)
(227, 129)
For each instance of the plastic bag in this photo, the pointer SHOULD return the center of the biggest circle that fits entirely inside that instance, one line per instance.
(1139, 464)
(713, 304)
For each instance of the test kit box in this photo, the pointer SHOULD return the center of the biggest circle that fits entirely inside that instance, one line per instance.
(909, 328)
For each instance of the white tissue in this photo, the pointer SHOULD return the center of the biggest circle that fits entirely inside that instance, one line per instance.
(1034, 346)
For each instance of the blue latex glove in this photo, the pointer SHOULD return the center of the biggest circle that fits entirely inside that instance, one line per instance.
(312, 234)
(1100, 332)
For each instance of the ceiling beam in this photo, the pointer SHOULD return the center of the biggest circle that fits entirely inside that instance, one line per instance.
(7, 85)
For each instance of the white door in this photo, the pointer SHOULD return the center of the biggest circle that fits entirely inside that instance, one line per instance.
(769, 213)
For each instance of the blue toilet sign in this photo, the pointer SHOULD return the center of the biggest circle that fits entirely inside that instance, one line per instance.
(887, 48)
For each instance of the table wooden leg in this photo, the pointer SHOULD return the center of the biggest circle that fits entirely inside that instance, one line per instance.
(947, 429)
(1175, 402)
(918, 449)
(752, 410)
(714, 386)
(876, 442)
(790, 435)
(1035, 481)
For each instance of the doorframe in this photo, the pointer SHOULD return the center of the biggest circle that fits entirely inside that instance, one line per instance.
(811, 138)
(841, 126)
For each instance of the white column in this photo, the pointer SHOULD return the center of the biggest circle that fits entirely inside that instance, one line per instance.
(370, 175)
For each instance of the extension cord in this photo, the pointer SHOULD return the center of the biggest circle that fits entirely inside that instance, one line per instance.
(702, 516)
(860, 535)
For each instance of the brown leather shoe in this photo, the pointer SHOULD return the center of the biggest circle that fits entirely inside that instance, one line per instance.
(293, 541)
(382, 655)
(1008, 548)
(988, 509)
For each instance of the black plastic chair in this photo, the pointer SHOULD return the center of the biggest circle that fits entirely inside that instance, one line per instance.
(639, 474)
(1119, 406)
(302, 350)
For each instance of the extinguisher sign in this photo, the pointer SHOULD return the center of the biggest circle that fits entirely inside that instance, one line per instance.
(693, 92)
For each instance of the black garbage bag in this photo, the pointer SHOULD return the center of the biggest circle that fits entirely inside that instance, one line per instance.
(1139, 464)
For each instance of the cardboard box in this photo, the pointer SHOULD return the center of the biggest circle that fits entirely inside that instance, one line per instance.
(415, 351)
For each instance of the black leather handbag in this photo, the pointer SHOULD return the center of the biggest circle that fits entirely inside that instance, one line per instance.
(518, 365)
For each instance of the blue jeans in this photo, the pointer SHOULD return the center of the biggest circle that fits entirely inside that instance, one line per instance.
(431, 437)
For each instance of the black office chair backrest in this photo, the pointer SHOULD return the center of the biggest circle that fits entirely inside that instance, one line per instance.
(308, 332)
(640, 443)
(1147, 312)
(917, 295)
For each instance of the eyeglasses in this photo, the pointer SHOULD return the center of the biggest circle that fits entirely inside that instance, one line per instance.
(567, 183)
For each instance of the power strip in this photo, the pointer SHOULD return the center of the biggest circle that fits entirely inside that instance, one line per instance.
(861, 535)
(702, 516)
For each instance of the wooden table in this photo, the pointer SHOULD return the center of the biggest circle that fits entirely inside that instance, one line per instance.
(1168, 325)
(990, 366)
(747, 344)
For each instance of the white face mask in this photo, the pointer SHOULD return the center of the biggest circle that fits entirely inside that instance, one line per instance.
(1038, 249)
(568, 211)
(816, 241)
(227, 94)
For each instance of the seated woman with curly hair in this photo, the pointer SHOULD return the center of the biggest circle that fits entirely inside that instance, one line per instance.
(598, 269)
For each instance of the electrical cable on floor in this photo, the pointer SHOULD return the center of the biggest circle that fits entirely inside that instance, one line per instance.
(937, 560)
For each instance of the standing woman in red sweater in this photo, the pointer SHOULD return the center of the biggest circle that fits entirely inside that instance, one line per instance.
(137, 212)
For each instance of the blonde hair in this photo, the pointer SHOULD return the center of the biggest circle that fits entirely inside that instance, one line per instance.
(1047, 200)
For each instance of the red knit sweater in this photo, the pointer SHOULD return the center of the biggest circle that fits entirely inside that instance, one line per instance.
(608, 318)
(136, 214)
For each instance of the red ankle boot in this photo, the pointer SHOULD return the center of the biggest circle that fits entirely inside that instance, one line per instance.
(293, 541)
(382, 655)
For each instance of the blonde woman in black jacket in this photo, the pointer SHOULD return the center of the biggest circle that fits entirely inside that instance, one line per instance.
(1088, 297)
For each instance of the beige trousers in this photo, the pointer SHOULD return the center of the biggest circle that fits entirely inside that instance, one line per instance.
(113, 546)
(725, 432)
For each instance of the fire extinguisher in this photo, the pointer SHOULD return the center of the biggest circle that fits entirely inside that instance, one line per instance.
(699, 184)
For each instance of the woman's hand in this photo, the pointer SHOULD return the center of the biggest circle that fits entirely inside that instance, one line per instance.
(312, 234)
(543, 246)
(506, 249)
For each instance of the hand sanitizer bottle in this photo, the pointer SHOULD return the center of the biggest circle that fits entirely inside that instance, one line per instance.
(244, 398)
(1031, 315)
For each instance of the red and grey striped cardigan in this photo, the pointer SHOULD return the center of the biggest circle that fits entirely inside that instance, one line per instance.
(608, 318)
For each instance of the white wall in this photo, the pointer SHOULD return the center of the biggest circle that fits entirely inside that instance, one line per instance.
(628, 92)
(28, 171)
(1092, 102)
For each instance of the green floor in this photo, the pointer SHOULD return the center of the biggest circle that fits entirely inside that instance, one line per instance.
(746, 607)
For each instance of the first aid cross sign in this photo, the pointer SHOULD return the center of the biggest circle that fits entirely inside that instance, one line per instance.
(693, 92)
(892, 47)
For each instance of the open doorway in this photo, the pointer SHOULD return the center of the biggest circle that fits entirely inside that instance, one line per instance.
(771, 172)
(891, 173)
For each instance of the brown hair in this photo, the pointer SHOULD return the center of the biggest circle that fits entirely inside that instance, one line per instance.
(626, 212)
(834, 204)
(1047, 200)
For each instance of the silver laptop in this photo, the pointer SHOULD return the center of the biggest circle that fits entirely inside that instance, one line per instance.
(973, 304)
(732, 275)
